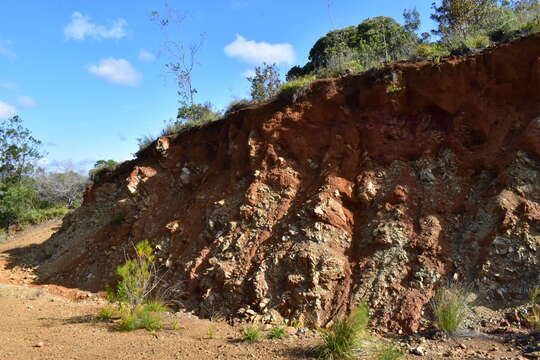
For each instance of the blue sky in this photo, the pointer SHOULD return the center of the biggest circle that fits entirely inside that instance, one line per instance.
(88, 77)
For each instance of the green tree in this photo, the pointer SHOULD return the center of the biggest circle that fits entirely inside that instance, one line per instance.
(19, 150)
(100, 166)
(359, 47)
(197, 114)
(265, 83)
(458, 19)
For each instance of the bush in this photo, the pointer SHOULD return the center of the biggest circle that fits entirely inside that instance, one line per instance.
(277, 332)
(252, 333)
(238, 105)
(431, 51)
(100, 167)
(532, 317)
(291, 88)
(450, 307)
(132, 296)
(344, 336)
(107, 313)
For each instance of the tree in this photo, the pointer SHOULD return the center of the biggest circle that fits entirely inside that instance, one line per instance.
(100, 166)
(383, 39)
(64, 188)
(412, 20)
(198, 113)
(19, 150)
(461, 18)
(359, 47)
(182, 60)
(265, 83)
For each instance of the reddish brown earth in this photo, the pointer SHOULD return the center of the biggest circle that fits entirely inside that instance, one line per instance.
(46, 321)
(352, 192)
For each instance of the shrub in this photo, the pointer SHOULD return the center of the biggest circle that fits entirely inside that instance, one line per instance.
(100, 167)
(252, 333)
(431, 51)
(265, 82)
(277, 332)
(478, 41)
(107, 313)
(345, 336)
(156, 306)
(145, 141)
(149, 320)
(138, 278)
(532, 317)
(238, 105)
(450, 307)
(291, 88)
(132, 296)
(128, 322)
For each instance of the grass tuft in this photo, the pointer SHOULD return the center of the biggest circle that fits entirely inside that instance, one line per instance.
(291, 88)
(156, 306)
(252, 333)
(345, 336)
(450, 307)
(107, 313)
(277, 332)
(389, 352)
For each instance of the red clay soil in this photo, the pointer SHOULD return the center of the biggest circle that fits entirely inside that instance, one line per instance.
(375, 187)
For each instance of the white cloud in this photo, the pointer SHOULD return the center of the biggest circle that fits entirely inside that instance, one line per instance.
(258, 52)
(248, 73)
(5, 49)
(27, 101)
(80, 28)
(146, 56)
(116, 71)
(7, 85)
(6, 110)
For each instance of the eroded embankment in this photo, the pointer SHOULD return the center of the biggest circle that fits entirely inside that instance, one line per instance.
(372, 187)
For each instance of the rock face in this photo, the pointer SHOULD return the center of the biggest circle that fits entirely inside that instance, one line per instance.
(376, 187)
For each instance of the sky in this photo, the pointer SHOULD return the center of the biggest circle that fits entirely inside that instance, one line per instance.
(88, 77)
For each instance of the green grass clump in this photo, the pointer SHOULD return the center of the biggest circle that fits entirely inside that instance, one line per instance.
(156, 306)
(532, 317)
(391, 89)
(345, 336)
(450, 307)
(107, 313)
(289, 89)
(150, 321)
(129, 322)
(277, 332)
(141, 318)
(252, 333)
(389, 352)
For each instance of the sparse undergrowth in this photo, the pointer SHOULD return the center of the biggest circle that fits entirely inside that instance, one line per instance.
(277, 333)
(349, 337)
(450, 307)
(291, 88)
(134, 300)
(532, 317)
(345, 336)
(252, 333)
